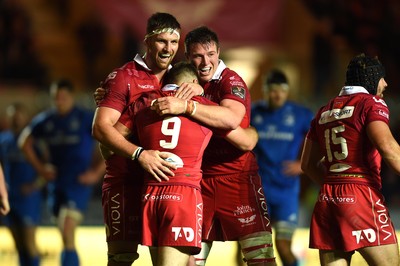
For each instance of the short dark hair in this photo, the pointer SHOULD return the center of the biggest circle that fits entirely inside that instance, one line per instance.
(160, 20)
(201, 35)
(180, 69)
(276, 76)
(62, 83)
(365, 71)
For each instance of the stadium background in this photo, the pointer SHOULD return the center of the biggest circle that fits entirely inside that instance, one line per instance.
(311, 40)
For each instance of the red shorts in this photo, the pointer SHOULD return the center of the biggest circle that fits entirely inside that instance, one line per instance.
(121, 203)
(234, 206)
(349, 217)
(172, 216)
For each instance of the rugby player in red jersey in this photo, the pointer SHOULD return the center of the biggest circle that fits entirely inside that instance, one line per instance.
(234, 200)
(172, 209)
(124, 178)
(344, 147)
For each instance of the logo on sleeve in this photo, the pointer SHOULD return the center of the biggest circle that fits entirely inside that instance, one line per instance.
(239, 91)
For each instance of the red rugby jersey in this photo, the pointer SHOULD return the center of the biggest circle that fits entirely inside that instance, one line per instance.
(339, 128)
(220, 156)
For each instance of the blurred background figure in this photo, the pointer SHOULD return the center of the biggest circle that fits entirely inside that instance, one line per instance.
(281, 126)
(4, 204)
(24, 187)
(73, 166)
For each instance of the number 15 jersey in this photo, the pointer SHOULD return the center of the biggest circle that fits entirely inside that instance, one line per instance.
(340, 129)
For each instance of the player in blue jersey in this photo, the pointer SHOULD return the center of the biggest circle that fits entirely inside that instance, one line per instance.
(281, 126)
(23, 188)
(71, 170)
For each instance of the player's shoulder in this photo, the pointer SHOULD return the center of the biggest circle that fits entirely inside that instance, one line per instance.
(231, 76)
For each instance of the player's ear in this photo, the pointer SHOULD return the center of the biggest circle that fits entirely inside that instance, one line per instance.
(196, 81)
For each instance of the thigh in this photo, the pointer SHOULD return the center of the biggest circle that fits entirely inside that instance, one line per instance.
(349, 217)
(241, 206)
(172, 216)
(381, 255)
(122, 212)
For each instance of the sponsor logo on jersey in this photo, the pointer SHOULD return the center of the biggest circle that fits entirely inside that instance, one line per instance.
(115, 215)
(112, 75)
(336, 114)
(273, 134)
(383, 113)
(183, 232)
(242, 210)
(368, 234)
(239, 91)
(169, 197)
(146, 86)
(343, 199)
(381, 101)
(248, 220)
(237, 83)
(263, 206)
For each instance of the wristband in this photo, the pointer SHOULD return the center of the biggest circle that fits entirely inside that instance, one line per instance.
(136, 153)
(194, 108)
(189, 108)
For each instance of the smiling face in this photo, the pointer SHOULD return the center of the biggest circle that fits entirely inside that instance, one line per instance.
(161, 50)
(205, 57)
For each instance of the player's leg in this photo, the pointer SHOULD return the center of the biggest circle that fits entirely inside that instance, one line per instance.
(122, 253)
(381, 255)
(283, 242)
(335, 258)
(121, 214)
(173, 256)
(283, 206)
(25, 241)
(257, 249)
(201, 258)
(68, 220)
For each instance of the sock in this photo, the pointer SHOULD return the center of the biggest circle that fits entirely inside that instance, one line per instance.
(69, 258)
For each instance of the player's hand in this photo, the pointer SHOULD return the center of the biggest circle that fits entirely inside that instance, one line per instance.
(29, 188)
(4, 205)
(98, 95)
(154, 162)
(48, 172)
(169, 105)
(88, 178)
(292, 168)
(187, 90)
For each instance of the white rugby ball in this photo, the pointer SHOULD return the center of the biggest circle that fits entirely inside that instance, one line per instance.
(174, 159)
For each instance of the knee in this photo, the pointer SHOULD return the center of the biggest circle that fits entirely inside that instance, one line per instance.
(257, 248)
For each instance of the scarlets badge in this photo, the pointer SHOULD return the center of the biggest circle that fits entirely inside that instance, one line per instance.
(239, 91)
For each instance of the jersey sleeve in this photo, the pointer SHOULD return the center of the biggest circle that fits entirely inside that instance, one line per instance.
(377, 110)
(234, 88)
(117, 92)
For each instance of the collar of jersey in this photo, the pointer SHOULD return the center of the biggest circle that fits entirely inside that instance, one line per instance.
(218, 72)
(138, 59)
(347, 90)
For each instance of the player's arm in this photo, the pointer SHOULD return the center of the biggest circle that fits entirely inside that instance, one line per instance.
(228, 115)
(112, 135)
(311, 158)
(26, 144)
(381, 137)
(4, 203)
(244, 139)
(187, 90)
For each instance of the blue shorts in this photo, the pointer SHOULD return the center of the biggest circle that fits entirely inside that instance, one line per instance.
(75, 197)
(25, 210)
(283, 204)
